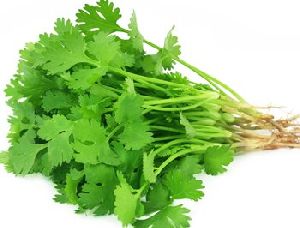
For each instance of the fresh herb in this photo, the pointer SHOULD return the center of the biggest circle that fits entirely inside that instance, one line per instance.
(119, 131)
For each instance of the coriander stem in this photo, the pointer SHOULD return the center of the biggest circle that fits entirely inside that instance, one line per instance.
(202, 74)
(207, 95)
(172, 158)
(167, 138)
(113, 132)
(163, 128)
(149, 79)
(176, 109)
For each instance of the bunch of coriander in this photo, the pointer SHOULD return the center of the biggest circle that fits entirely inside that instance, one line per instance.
(118, 130)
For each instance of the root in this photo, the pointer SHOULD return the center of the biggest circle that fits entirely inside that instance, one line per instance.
(268, 133)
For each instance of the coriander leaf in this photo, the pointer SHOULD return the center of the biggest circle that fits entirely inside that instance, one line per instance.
(64, 50)
(23, 118)
(4, 158)
(183, 186)
(130, 162)
(152, 63)
(50, 128)
(60, 149)
(169, 217)
(189, 165)
(90, 107)
(99, 90)
(148, 167)
(102, 180)
(189, 129)
(102, 17)
(216, 157)
(136, 39)
(91, 143)
(72, 180)
(57, 130)
(91, 196)
(55, 99)
(157, 198)
(108, 51)
(84, 78)
(170, 51)
(127, 102)
(136, 135)
(23, 154)
(126, 202)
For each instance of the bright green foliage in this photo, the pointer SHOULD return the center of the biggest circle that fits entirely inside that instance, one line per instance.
(22, 155)
(157, 198)
(116, 129)
(91, 144)
(135, 134)
(183, 186)
(84, 78)
(216, 158)
(148, 166)
(57, 100)
(126, 202)
(190, 130)
(136, 38)
(64, 50)
(72, 180)
(102, 17)
(98, 192)
(169, 217)
(170, 51)
(50, 128)
(181, 182)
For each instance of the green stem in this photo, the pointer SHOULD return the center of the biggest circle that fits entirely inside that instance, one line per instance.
(176, 109)
(113, 132)
(207, 95)
(212, 80)
(163, 128)
(143, 78)
(168, 138)
(173, 157)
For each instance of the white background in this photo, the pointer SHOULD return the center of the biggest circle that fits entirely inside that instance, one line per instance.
(254, 46)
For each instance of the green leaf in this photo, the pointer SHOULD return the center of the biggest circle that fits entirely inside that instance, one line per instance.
(170, 51)
(127, 102)
(148, 167)
(136, 135)
(216, 158)
(22, 155)
(169, 217)
(85, 78)
(50, 128)
(189, 165)
(55, 99)
(64, 50)
(136, 132)
(157, 198)
(98, 193)
(126, 202)
(102, 17)
(91, 196)
(60, 149)
(108, 51)
(182, 186)
(136, 38)
(91, 144)
(4, 158)
(72, 181)
(189, 129)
